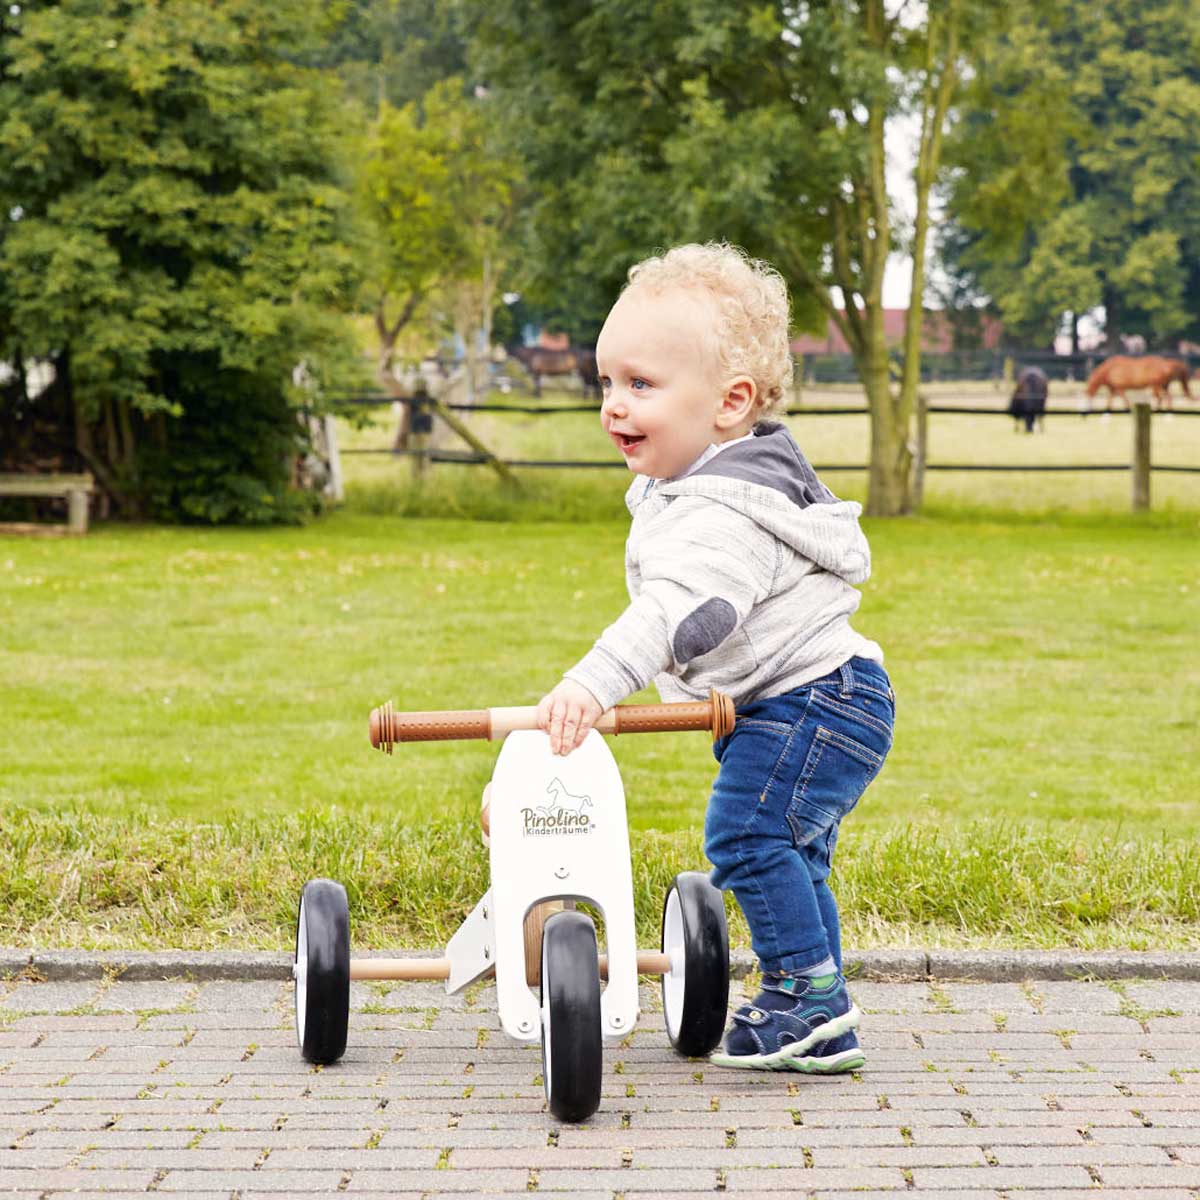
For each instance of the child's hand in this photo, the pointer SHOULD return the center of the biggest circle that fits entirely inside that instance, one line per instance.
(566, 714)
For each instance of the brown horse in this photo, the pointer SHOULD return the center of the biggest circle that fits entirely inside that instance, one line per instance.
(541, 360)
(1152, 371)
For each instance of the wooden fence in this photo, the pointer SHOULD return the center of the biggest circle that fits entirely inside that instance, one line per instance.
(424, 455)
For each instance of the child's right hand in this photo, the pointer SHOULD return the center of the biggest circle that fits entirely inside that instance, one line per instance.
(567, 714)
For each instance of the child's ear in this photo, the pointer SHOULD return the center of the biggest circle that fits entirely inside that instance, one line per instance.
(738, 402)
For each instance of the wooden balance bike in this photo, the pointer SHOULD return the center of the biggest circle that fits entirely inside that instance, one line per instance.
(558, 836)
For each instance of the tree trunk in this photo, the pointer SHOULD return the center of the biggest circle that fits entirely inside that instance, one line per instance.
(1112, 320)
(936, 93)
(889, 487)
(385, 361)
(84, 442)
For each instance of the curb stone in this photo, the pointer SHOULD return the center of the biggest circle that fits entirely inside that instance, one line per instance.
(993, 966)
(1000, 966)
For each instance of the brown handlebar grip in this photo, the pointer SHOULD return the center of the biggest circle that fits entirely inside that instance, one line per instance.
(389, 727)
(715, 713)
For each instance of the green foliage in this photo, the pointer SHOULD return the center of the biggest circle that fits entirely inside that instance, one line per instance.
(168, 171)
(1075, 168)
(227, 453)
(394, 51)
(435, 198)
(640, 126)
(432, 192)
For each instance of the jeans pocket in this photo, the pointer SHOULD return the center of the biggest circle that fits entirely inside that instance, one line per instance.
(836, 772)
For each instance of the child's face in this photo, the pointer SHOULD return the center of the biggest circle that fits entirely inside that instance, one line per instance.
(659, 373)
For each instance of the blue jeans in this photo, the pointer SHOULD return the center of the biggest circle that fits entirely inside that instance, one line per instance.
(792, 768)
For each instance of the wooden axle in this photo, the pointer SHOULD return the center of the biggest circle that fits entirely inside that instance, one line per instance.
(649, 962)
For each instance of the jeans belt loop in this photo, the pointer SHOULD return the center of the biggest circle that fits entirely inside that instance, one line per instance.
(847, 673)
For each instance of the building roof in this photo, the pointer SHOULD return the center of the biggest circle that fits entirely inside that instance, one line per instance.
(937, 333)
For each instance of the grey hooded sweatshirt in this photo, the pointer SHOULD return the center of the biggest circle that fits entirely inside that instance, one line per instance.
(741, 576)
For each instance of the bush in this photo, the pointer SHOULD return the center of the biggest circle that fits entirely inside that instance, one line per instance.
(228, 458)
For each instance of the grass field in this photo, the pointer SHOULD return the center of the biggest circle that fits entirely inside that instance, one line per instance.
(184, 736)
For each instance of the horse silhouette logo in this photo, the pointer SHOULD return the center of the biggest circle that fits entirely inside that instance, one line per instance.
(564, 814)
(567, 801)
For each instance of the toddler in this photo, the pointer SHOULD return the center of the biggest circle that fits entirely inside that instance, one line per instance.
(741, 568)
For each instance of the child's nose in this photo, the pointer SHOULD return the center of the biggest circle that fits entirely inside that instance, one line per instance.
(613, 404)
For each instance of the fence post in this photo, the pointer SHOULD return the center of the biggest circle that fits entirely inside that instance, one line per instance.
(1141, 454)
(420, 433)
(921, 454)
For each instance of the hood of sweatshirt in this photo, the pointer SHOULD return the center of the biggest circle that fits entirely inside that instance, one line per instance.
(768, 479)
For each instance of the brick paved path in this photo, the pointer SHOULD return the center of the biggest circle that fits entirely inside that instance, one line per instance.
(971, 1090)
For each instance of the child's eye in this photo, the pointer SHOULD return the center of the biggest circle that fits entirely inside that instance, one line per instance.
(605, 383)
(638, 384)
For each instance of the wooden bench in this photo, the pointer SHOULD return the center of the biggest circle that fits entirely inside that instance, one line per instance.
(75, 489)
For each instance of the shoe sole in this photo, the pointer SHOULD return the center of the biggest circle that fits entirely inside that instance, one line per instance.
(834, 1064)
(792, 1056)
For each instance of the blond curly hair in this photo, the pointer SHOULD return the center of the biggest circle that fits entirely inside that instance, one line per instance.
(753, 313)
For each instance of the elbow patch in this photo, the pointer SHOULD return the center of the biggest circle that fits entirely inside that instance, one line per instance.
(704, 629)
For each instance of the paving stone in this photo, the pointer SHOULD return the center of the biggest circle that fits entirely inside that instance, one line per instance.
(788, 1179)
(72, 1179)
(468, 1181)
(1181, 1175)
(50, 997)
(1061, 997)
(226, 996)
(146, 995)
(210, 1095)
(1001, 1178)
(265, 1180)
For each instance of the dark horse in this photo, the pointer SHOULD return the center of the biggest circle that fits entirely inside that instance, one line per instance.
(1028, 401)
(539, 361)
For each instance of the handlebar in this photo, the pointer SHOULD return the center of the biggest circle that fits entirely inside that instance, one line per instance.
(389, 726)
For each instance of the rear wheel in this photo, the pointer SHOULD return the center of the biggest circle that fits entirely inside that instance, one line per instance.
(696, 989)
(572, 1048)
(321, 971)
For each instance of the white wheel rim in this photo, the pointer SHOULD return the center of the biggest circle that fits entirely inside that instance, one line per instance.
(672, 981)
(300, 972)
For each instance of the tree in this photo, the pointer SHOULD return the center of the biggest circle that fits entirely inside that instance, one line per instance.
(174, 237)
(435, 197)
(394, 51)
(1074, 170)
(760, 123)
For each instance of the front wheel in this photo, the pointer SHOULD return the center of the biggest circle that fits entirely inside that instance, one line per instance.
(321, 971)
(572, 1048)
(696, 989)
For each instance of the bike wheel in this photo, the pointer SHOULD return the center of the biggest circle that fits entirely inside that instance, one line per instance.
(696, 990)
(572, 1048)
(321, 971)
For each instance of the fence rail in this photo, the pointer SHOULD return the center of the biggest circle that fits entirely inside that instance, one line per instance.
(956, 365)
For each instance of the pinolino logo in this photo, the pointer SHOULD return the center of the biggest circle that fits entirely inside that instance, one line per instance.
(564, 814)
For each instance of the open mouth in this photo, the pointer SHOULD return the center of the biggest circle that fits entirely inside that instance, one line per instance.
(627, 441)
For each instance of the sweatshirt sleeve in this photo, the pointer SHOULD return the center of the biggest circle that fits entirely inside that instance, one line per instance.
(703, 566)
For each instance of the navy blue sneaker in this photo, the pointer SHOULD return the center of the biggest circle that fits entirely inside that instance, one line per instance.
(788, 1023)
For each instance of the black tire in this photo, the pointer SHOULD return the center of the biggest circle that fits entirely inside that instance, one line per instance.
(695, 1005)
(572, 1048)
(322, 971)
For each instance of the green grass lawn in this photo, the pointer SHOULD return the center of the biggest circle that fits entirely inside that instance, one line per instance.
(185, 717)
